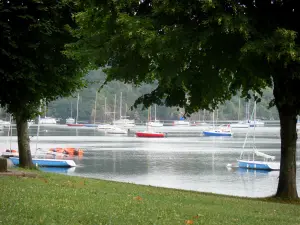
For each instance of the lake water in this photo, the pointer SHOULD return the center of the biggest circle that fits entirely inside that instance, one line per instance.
(191, 163)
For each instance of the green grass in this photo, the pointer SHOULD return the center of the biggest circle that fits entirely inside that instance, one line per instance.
(58, 199)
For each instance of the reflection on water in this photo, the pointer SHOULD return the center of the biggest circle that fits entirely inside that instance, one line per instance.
(191, 163)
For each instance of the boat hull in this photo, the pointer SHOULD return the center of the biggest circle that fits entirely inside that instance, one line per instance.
(258, 165)
(150, 135)
(218, 134)
(47, 162)
(75, 125)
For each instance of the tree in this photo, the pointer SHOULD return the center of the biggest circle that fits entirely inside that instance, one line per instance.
(33, 68)
(201, 53)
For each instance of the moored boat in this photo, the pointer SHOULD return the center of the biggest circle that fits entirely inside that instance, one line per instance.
(67, 151)
(155, 123)
(75, 125)
(223, 130)
(258, 165)
(47, 162)
(116, 130)
(150, 134)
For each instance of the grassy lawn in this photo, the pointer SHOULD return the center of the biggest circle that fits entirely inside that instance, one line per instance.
(60, 199)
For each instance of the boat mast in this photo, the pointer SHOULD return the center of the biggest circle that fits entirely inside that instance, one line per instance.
(121, 106)
(77, 108)
(71, 109)
(254, 118)
(155, 112)
(105, 110)
(38, 130)
(115, 105)
(239, 109)
(95, 107)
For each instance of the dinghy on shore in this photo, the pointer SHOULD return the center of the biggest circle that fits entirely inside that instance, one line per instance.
(47, 162)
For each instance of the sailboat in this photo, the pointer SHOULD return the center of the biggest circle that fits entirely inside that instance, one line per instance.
(155, 123)
(268, 162)
(115, 129)
(45, 162)
(222, 130)
(76, 124)
(70, 120)
(123, 121)
(10, 152)
(149, 133)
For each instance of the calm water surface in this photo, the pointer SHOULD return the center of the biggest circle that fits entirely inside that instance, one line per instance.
(191, 163)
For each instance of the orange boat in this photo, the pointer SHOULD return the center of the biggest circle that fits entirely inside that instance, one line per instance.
(68, 151)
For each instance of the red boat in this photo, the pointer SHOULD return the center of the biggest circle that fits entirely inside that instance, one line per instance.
(75, 125)
(150, 134)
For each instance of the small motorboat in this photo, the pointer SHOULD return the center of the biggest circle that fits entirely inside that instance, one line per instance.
(150, 134)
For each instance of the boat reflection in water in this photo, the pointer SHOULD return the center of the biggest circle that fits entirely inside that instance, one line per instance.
(243, 171)
(58, 170)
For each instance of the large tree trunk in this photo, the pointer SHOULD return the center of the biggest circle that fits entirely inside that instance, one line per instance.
(287, 178)
(23, 143)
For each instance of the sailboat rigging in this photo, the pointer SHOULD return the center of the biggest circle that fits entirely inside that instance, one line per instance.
(266, 164)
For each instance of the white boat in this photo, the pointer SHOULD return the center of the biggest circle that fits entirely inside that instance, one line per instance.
(47, 120)
(70, 120)
(266, 164)
(4, 123)
(104, 126)
(256, 123)
(124, 123)
(155, 123)
(181, 123)
(116, 130)
(240, 124)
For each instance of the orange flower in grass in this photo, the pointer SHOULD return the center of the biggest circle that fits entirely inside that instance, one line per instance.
(189, 222)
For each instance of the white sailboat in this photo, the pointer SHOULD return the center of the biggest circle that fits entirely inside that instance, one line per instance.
(123, 122)
(155, 123)
(70, 120)
(45, 162)
(115, 129)
(266, 164)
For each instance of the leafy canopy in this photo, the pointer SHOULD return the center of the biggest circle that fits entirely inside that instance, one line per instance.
(33, 36)
(200, 52)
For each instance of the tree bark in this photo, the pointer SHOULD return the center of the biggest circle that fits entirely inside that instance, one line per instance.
(3, 164)
(287, 188)
(23, 143)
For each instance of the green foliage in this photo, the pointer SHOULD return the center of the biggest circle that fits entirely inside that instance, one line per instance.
(74, 200)
(200, 52)
(32, 65)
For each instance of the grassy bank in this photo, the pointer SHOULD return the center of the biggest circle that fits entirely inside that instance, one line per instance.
(59, 199)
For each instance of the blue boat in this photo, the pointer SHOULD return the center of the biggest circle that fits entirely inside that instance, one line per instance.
(217, 133)
(90, 125)
(222, 130)
(62, 170)
(258, 165)
(265, 164)
(47, 162)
